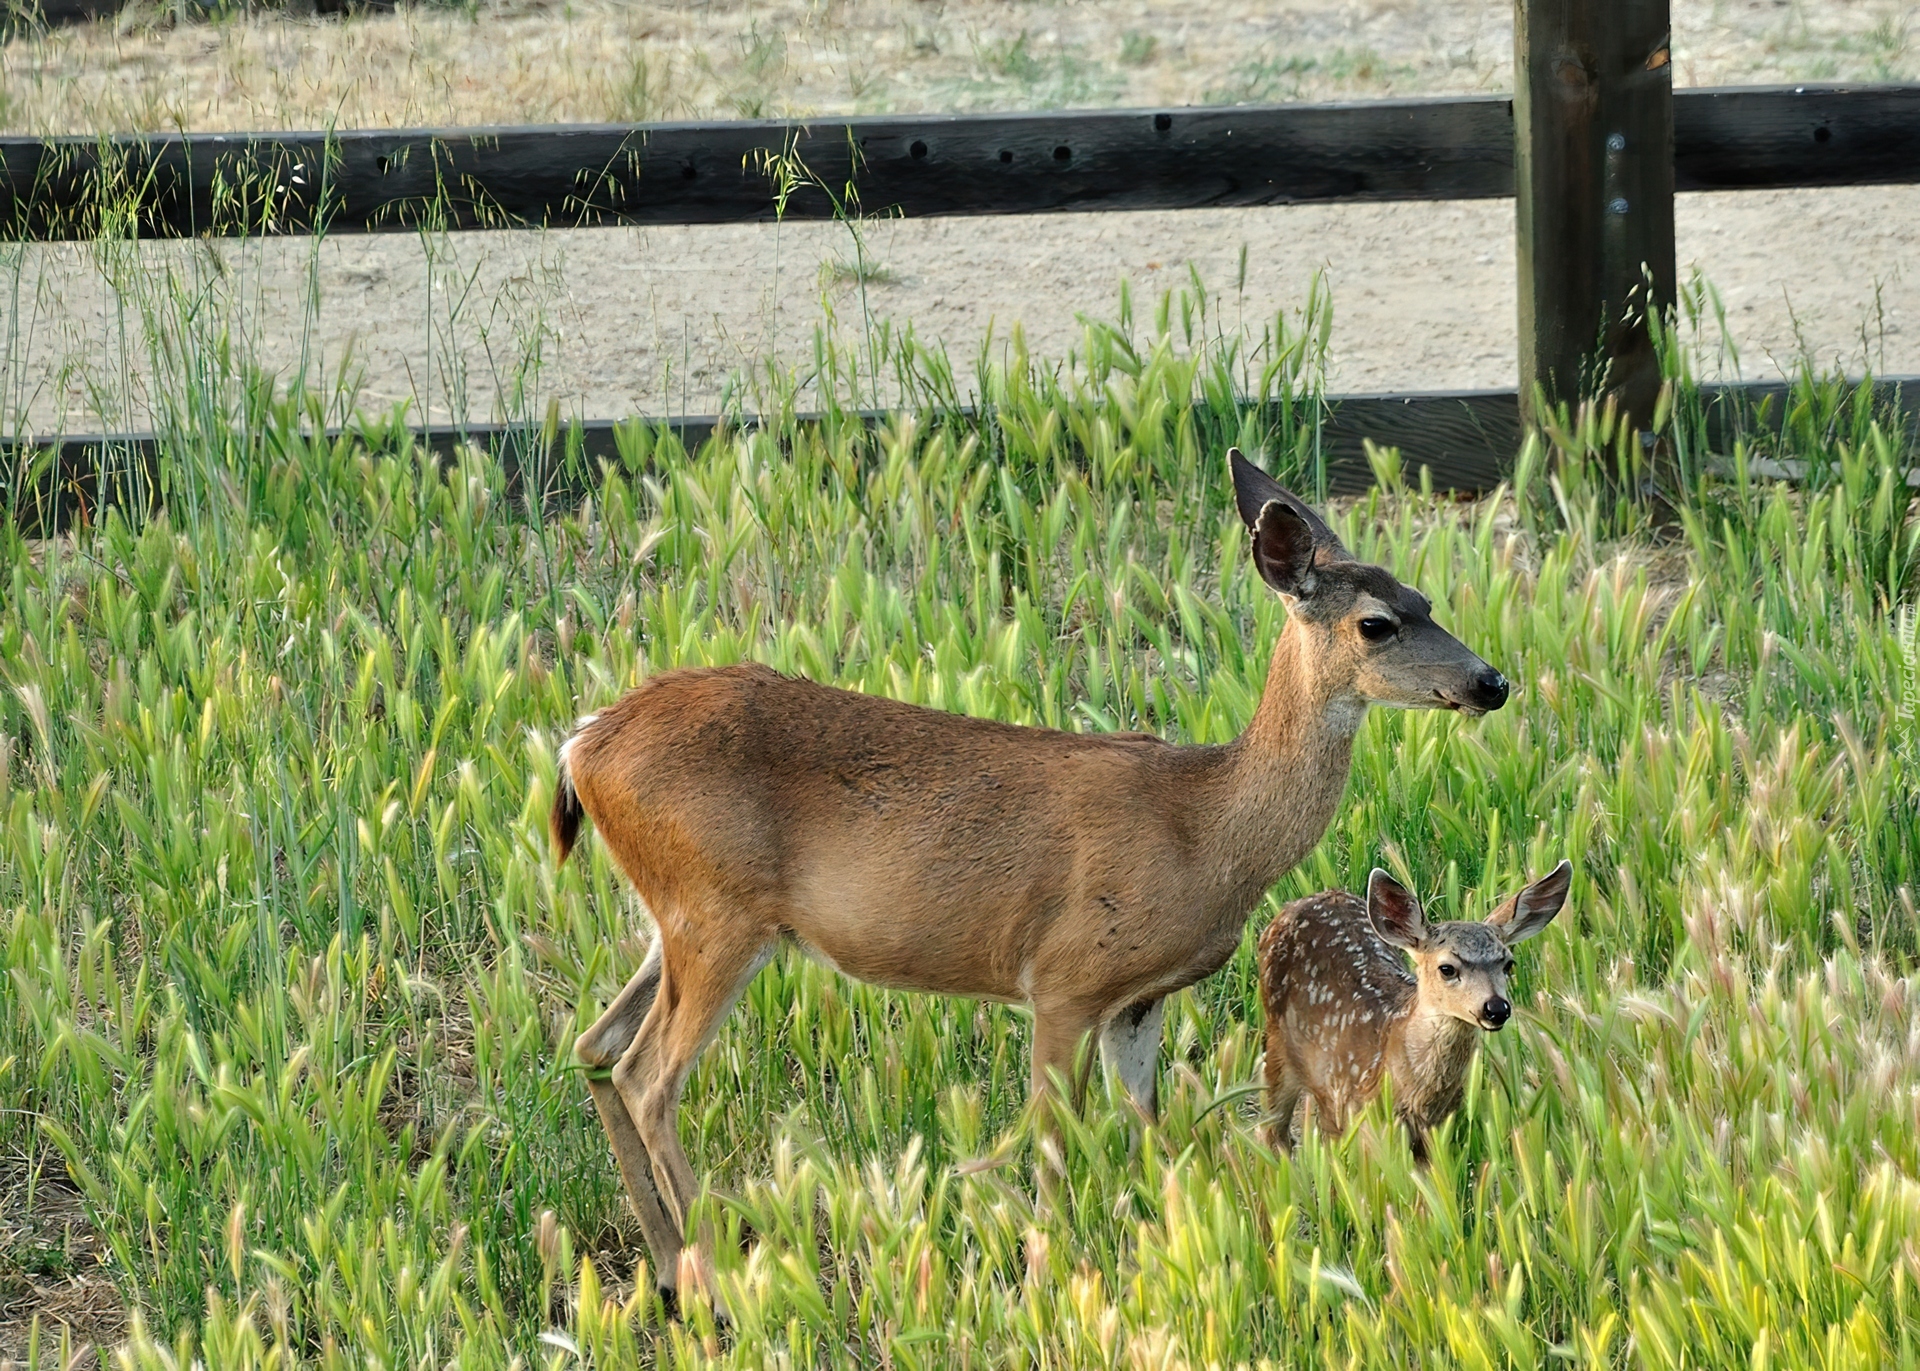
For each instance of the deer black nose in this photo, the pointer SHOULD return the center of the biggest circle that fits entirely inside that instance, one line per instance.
(1495, 1012)
(1489, 688)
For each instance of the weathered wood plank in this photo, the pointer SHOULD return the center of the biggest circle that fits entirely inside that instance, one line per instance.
(1594, 181)
(576, 175)
(727, 172)
(34, 14)
(1769, 137)
(1467, 439)
(31, 14)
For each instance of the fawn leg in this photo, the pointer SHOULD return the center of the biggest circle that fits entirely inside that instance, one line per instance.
(1284, 1089)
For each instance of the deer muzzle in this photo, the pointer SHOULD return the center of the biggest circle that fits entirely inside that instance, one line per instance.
(1486, 690)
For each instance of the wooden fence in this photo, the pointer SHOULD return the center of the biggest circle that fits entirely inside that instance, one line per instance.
(371, 181)
(1594, 145)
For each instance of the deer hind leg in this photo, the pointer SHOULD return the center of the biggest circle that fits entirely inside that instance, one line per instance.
(698, 987)
(602, 1044)
(1130, 1043)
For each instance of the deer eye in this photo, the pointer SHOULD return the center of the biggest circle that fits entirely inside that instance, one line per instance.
(1449, 972)
(1375, 629)
(1508, 968)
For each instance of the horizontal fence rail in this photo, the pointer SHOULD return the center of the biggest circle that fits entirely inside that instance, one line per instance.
(1465, 439)
(374, 181)
(30, 14)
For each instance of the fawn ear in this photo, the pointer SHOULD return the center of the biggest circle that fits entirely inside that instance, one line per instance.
(1254, 490)
(1395, 913)
(1534, 907)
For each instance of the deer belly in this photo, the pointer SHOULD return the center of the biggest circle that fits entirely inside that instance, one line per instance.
(1211, 955)
(917, 917)
(947, 955)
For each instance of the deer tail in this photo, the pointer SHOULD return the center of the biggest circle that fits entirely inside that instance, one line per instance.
(563, 822)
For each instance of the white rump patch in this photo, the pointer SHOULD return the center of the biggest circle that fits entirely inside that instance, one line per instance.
(579, 725)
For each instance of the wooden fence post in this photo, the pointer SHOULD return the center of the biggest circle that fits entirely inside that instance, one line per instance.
(1593, 143)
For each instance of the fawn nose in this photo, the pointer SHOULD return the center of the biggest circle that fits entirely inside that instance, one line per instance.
(1489, 688)
(1495, 1012)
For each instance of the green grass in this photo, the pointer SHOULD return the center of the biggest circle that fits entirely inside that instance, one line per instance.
(290, 977)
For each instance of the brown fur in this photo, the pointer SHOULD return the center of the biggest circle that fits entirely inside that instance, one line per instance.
(1344, 1012)
(1083, 875)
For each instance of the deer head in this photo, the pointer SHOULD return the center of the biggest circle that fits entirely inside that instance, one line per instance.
(1463, 967)
(1365, 628)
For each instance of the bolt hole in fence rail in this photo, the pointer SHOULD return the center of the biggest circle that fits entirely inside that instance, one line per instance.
(1593, 145)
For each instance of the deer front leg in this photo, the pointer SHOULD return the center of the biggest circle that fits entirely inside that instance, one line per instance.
(1130, 1044)
(1056, 1036)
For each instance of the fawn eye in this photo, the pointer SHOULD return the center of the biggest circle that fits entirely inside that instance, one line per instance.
(1375, 629)
(1448, 971)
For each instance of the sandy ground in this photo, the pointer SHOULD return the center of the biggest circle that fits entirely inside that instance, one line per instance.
(654, 321)
(610, 322)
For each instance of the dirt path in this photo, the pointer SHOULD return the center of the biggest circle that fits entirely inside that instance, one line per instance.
(655, 321)
(610, 322)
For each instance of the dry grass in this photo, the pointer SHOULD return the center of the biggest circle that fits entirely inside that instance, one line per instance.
(52, 1267)
(511, 61)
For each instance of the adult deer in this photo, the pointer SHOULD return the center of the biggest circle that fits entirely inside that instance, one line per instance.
(1085, 875)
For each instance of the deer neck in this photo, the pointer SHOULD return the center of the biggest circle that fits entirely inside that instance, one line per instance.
(1429, 1061)
(1289, 768)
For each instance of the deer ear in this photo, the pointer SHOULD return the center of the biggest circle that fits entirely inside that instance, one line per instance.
(1254, 490)
(1536, 906)
(1395, 913)
(1283, 550)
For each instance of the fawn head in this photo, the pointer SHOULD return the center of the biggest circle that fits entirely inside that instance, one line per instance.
(1463, 966)
(1370, 629)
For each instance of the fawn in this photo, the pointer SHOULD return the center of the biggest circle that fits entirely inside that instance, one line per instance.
(1343, 1010)
(1087, 876)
